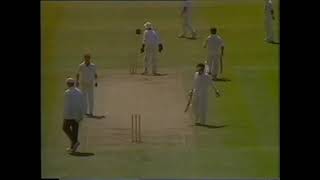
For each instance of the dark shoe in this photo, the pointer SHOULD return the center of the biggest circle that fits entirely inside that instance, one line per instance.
(144, 73)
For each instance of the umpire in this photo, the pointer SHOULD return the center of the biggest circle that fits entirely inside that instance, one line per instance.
(73, 113)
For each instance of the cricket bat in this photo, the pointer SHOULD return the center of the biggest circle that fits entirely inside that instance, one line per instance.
(189, 102)
(221, 65)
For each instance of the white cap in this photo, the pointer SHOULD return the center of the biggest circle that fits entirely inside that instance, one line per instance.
(147, 25)
(69, 80)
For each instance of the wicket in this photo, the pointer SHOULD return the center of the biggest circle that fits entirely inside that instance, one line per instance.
(133, 69)
(136, 128)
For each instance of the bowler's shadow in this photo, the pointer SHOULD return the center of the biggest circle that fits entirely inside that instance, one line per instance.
(81, 154)
(210, 126)
(191, 38)
(222, 79)
(159, 74)
(96, 117)
(274, 42)
(163, 74)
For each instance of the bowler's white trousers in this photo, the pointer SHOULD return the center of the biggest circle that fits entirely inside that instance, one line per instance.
(200, 107)
(187, 25)
(269, 28)
(214, 63)
(88, 93)
(150, 58)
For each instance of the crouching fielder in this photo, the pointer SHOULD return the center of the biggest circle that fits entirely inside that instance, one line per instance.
(215, 45)
(150, 44)
(73, 113)
(202, 82)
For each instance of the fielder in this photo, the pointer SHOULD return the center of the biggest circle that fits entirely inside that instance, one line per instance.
(199, 93)
(73, 113)
(150, 45)
(215, 45)
(88, 79)
(269, 17)
(186, 20)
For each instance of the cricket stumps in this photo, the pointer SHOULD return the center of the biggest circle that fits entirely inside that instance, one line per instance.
(136, 128)
(133, 69)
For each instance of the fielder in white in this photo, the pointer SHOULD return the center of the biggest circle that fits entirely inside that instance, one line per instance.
(215, 45)
(73, 113)
(186, 14)
(202, 83)
(151, 44)
(269, 17)
(88, 79)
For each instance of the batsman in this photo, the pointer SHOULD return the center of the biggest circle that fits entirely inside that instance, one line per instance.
(199, 94)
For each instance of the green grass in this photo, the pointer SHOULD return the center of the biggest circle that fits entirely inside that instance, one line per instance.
(248, 147)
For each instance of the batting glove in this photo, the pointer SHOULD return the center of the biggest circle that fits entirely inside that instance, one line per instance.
(160, 47)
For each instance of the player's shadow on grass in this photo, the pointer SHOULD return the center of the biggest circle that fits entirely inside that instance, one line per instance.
(222, 79)
(163, 74)
(191, 38)
(96, 117)
(274, 42)
(82, 154)
(210, 126)
(159, 74)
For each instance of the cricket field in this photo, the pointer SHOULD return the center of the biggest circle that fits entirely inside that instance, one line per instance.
(247, 146)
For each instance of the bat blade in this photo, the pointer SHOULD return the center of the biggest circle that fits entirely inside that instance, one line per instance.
(187, 108)
(189, 103)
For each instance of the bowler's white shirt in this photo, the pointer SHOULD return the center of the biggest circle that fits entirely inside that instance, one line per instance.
(268, 8)
(202, 83)
(87, 73)
(150, 38)
(214, 44)
(73, 104)
(187, 4)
